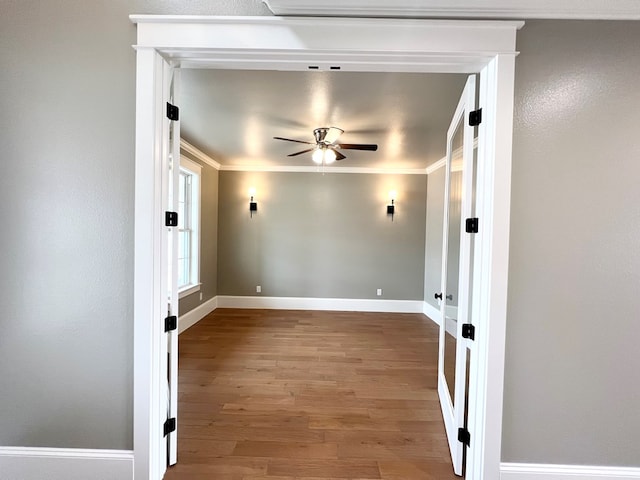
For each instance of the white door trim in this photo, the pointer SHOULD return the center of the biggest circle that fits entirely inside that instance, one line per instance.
(149, 289)
(490, 271)
(365, 45)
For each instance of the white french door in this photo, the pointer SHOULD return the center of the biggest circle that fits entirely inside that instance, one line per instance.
(171, 174)
(455, 294)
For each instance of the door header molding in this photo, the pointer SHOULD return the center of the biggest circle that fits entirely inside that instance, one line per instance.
(354, 44)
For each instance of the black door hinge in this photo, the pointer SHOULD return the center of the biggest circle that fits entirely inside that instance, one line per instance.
(472, 225)
(464, 436)
(173, 112)
(170, 323)
(475, 118)
(169, 426)
(171, 219)
(468, 331)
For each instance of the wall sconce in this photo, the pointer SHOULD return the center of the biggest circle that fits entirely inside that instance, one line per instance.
(391, 208)
(253, 206)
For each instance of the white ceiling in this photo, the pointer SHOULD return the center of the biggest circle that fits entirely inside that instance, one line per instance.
(233, 115)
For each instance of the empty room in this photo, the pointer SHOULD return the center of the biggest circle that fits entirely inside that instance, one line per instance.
(306, 388)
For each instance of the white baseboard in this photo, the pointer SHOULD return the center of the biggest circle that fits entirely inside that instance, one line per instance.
(334, 304)
(528, 471)
(432, 312)
(301, 303)
(26, 463)
(194, 316)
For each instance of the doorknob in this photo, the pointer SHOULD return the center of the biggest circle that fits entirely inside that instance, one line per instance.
(438, 296)
(450, 297)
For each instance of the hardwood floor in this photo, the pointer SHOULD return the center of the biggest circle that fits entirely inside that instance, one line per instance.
(283, 395)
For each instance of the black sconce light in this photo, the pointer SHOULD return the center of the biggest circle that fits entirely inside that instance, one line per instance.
(253, 206)
(391, 208)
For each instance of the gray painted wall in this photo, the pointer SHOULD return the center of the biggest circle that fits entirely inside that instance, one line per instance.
(571, 388)
(208, 239)
(325, 236)
(66, 349)
(435, 219)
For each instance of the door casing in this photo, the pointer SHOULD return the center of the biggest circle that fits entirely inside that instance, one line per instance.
(354, 44)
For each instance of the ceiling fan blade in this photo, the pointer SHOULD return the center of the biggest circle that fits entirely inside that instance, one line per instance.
(301, 152)
(333, 133)
(358, 146)
(292, 140)
(339, 156)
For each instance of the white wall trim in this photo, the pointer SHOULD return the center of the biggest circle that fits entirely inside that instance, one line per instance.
(314, 169)
(190, 165)
(532, 471)
(303, 303)
(443, 161)
(198, 154)
(192, 317)
(432, 312)
(189, 290)
(31, 463)
(436, 166)
(523, 9)
(66, 453)
(331, 304)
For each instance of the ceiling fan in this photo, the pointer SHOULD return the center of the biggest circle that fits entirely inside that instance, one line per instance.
(325, 148)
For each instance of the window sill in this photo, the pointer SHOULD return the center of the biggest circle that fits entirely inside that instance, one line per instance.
(188, 290)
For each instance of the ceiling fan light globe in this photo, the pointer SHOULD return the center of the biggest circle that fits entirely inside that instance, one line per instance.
(329, 156)
(317, 156)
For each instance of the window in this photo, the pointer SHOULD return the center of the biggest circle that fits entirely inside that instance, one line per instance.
(188, 227)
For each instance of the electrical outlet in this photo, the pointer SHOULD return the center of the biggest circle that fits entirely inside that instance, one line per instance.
(200, 296)
(379, 292)
(258, 289)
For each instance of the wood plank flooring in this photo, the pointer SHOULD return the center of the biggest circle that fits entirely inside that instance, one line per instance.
(284, 395)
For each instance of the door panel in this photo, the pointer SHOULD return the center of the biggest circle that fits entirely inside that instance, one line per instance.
(450, 300)
(456, 257)
(172, 336)
(170, 170)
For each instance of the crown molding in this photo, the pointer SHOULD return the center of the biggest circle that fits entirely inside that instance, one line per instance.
(443, 161)
(315, 169)
(436, 165)
(498, 9)
(198, 154)
(203, 157)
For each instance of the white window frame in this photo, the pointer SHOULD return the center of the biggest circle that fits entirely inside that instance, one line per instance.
(195, 171)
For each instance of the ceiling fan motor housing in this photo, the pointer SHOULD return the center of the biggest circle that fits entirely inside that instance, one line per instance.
(321, 135)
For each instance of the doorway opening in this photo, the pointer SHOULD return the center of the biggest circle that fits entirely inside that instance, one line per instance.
(295, 43)
(213, 107)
